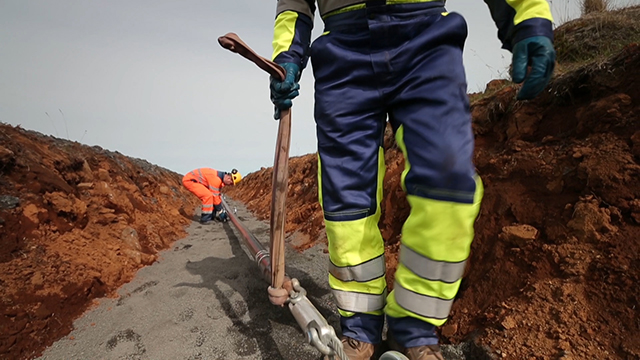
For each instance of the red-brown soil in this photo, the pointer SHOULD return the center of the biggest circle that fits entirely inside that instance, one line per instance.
(76, 222)
(555, 265)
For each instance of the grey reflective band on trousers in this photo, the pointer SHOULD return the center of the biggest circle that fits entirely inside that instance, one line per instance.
(448, 272)
(359, 302)
(207, 209)
(367, 271)
(423, 305)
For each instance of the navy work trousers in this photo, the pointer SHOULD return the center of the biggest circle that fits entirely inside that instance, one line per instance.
(401, 63)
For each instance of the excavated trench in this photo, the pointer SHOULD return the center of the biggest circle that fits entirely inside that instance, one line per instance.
(557, 247)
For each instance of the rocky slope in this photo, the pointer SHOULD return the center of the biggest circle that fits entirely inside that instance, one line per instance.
(76, 222)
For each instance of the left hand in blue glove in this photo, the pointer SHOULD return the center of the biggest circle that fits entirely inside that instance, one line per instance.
(283, 92)
(222, 216)
(538, 53)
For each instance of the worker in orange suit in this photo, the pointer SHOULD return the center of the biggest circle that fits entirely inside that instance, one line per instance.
(206, 184)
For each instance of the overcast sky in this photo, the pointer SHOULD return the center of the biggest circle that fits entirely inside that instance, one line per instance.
(147, 78)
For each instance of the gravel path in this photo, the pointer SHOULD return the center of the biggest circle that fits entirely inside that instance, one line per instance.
(203, 299)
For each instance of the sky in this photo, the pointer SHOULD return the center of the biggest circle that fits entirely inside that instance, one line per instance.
(148, 79)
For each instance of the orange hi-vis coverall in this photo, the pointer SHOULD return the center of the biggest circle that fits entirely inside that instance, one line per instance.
(206, 184)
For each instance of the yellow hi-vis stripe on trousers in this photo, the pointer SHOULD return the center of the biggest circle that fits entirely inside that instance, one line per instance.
(367, 276)
(436, 242)
(356, 252)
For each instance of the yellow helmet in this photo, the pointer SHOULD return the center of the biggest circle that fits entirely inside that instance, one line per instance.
(235, 175)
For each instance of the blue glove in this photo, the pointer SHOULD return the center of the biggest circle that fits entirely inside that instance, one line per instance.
(222, 216)
(282, 92)
(538, 53)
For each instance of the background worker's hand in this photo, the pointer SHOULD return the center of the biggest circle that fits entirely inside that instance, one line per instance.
(283, 92)
(538, 53)
(222, 216)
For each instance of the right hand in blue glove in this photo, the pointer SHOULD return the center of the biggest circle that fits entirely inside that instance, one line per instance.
(222, 216)
(538, 53)
(283, 92)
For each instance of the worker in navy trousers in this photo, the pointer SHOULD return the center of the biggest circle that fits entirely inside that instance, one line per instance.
(401, 61)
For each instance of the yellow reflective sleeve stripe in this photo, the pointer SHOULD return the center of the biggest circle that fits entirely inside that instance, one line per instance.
(359, 302)
(427, 306)
(426, 268)
(283, 32)
(530, 9)
(366, 271)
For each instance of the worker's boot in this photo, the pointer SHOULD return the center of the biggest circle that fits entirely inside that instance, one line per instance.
(357, 350)
(206, 219)
(425, 352)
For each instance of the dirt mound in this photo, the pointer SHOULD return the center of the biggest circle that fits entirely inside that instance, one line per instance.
(596, 35)
(556, 261)
(566, 165)
(76, 222)
(303, 214)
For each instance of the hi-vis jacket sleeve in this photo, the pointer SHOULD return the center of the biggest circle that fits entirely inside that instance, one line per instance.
(521, 19)
(292, 31)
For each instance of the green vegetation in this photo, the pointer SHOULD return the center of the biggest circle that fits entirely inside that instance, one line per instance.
(595, 36)
(591, 6)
